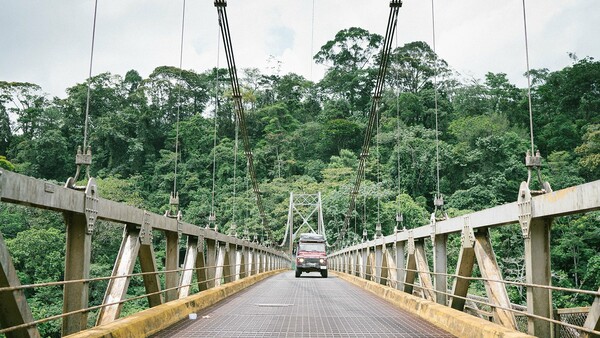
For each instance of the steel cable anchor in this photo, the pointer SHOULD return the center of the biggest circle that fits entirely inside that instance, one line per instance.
(81, 159)
(524, 199)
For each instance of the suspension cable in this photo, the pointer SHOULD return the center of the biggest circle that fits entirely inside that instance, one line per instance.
(373, 116)
(235, 156)
(212, 217)
(398, 127)
(435, 90)
(364, 211)
(179, 99)
(528, 79)
(237, 98)
(248, 203)
(377, 190)
(89, 84)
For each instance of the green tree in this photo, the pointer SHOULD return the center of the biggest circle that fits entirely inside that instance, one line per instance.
(589, 151)
(351, 56)
(5, 129)
(341, 134)
(564, 103)
(414, 67)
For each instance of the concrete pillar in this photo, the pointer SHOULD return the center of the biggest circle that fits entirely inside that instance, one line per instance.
(537, 269)
(440, 266)
(77, 266)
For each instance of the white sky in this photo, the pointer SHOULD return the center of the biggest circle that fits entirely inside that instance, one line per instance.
(48, 42)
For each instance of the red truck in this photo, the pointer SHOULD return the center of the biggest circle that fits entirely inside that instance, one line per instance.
(311, 255)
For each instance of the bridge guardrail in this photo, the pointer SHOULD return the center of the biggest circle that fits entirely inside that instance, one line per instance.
(399, 259)
(213, 257)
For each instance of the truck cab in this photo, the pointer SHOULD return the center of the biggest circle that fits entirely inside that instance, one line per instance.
(311, 255)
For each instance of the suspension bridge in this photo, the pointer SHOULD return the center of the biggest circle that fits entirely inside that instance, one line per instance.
(383, 286)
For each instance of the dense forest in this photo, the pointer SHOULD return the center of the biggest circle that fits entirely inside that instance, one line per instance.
(306, 137)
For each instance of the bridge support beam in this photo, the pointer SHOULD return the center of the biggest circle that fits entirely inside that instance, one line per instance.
(266, 262)
(229, 263)
(211, 262)
(371, 269)
(191, 255)
(385, 268)
(241, 268)
(347, 265)
(117, 287)
(496, 291)
(378, 262)
(423, 267)
(77, 267)
(411, 266)
(400, 265)
(151, 281)
(363, 260)
(201, 266)
(233, 263)
(254, 262)
(464, 268)
(219, 271)
(248, 260)
(593, 318)
(14, 310)
(171, 263)
(440, 267)
(269, 262)
(537, 269)
(357, 262)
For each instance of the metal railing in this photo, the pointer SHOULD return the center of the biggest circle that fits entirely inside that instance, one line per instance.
(211, 258)
(218, 281)
(571, 326)
(399, 259)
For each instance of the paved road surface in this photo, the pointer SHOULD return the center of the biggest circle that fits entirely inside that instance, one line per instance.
(310, 306)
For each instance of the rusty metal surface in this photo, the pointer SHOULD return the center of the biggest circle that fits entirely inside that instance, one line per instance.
(311, 306)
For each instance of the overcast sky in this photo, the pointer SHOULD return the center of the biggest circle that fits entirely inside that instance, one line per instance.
(48, 42)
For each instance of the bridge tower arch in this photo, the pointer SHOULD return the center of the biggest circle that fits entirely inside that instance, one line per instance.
(307, 210)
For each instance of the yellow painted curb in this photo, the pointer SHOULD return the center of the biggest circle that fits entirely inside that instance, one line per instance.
(150, 321)
(455, 322)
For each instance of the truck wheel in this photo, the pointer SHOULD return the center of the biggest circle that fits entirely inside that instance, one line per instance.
(324, 273)
(298, 272)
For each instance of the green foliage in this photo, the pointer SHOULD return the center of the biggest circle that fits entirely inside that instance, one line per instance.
(566, 102)
(415, 65)
(351, 75)
(471, 128)
(4, 163)
(589, 151)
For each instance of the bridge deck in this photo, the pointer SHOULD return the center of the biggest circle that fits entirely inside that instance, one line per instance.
(309, 306)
